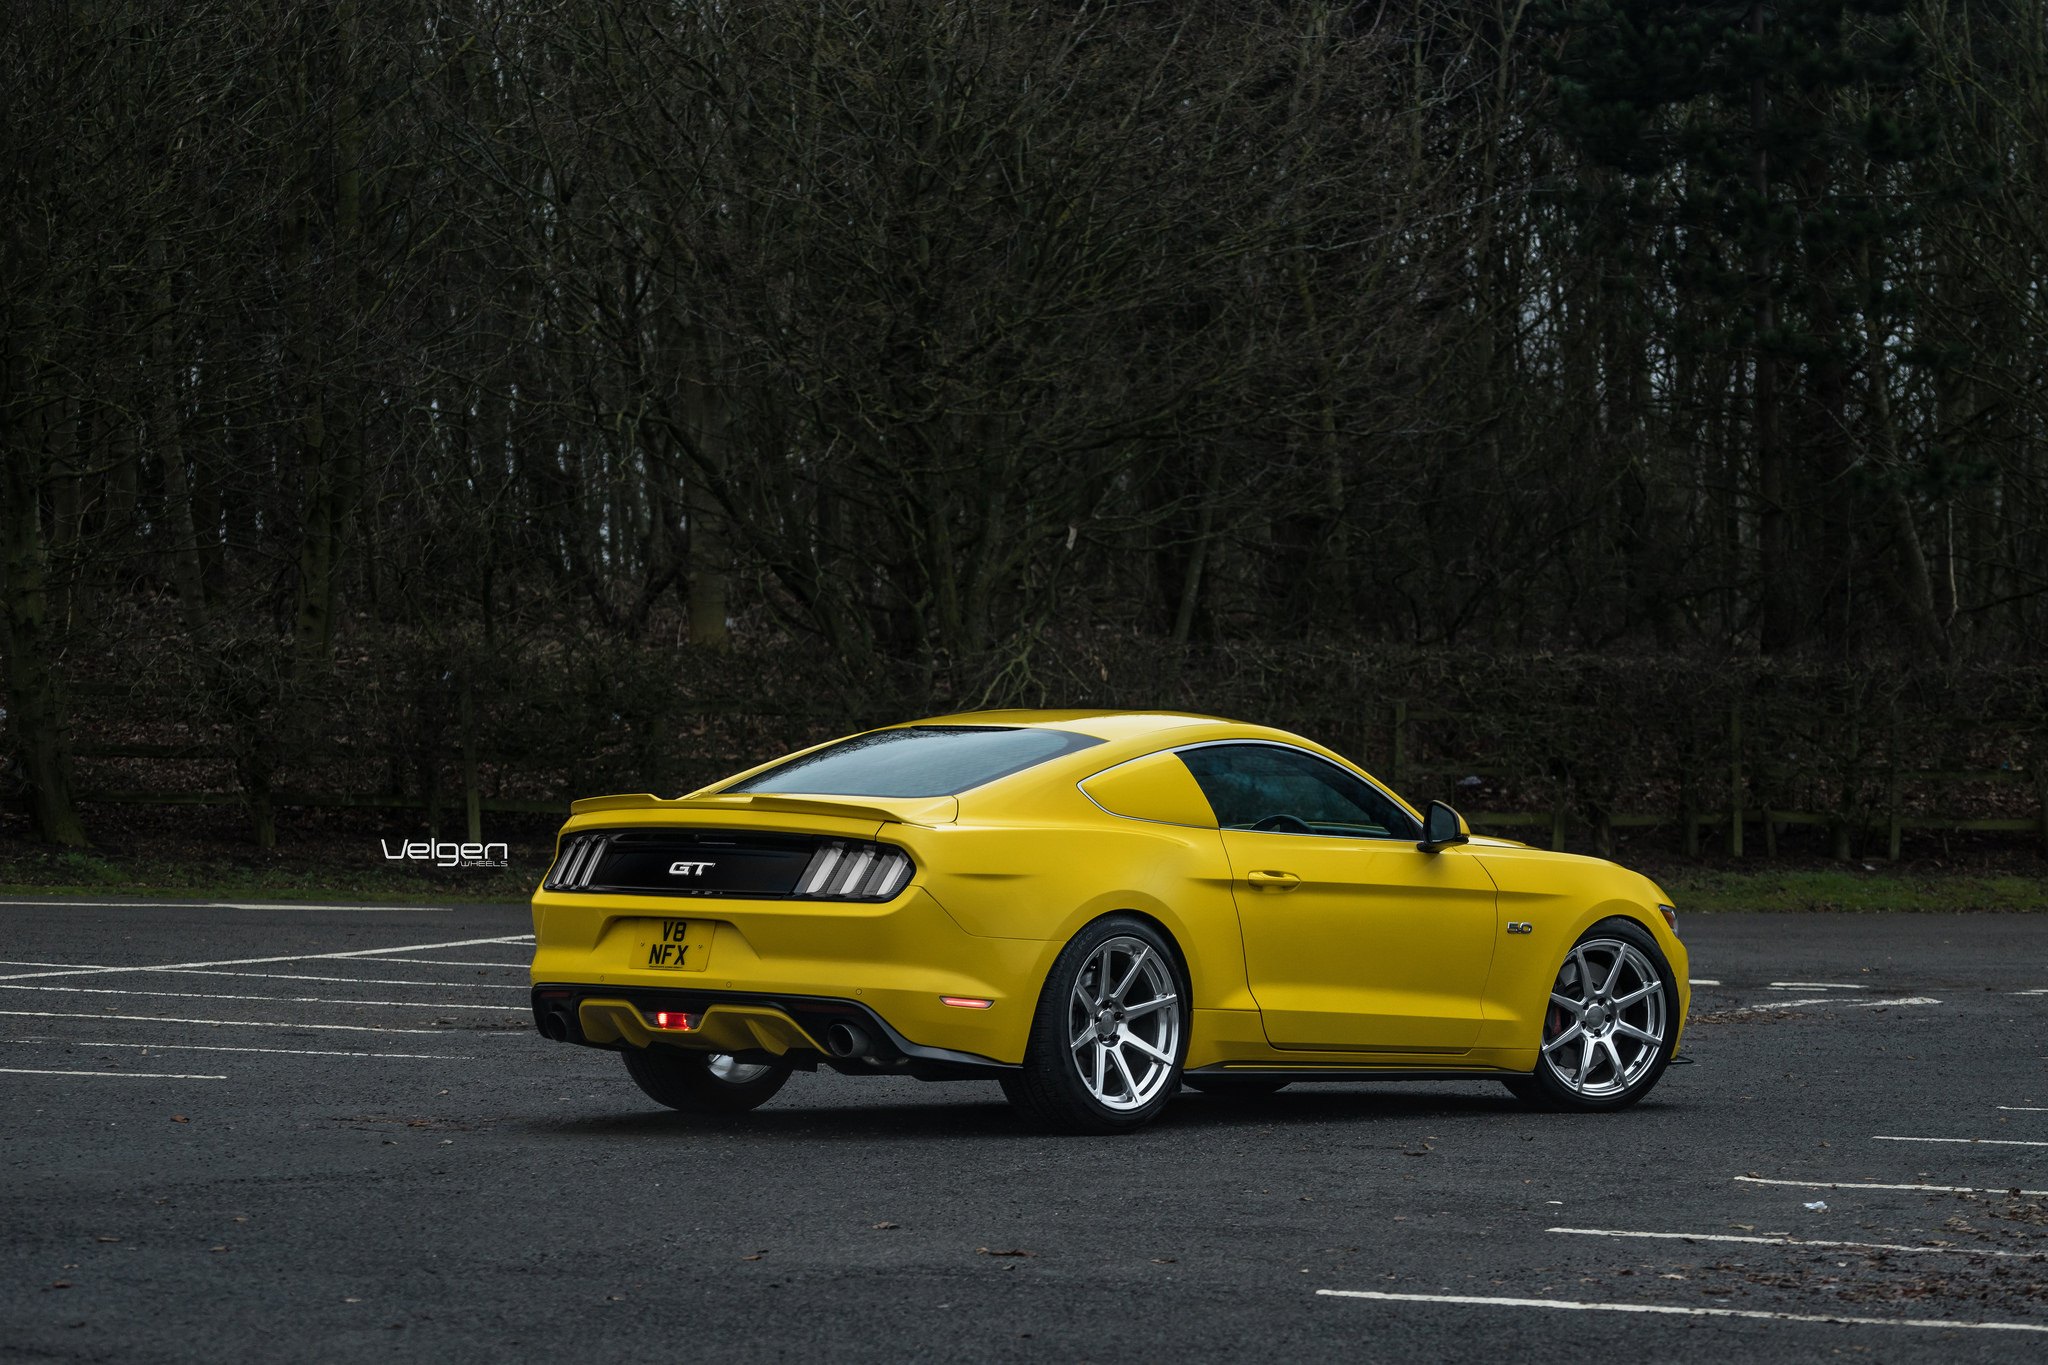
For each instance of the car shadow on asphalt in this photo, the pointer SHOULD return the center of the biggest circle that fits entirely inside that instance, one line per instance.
(885, 1120)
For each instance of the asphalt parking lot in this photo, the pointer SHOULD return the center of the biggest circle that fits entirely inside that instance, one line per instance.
(290, 1133)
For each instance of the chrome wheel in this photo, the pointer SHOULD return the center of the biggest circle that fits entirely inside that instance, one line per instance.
(724, 1068)
(1123, 1024)
(1607, 1020)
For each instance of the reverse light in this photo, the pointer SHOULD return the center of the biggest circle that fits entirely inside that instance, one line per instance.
(676, 1020)
(965, 1002)
(1670, 914)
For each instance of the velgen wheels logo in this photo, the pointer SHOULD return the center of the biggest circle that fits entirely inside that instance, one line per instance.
(446, 853)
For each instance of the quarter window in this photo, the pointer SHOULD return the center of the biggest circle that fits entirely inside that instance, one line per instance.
(1286, 791)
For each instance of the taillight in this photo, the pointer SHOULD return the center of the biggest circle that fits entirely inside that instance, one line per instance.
(843, 871)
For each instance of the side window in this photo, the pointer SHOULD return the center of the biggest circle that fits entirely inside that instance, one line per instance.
(1287, 791)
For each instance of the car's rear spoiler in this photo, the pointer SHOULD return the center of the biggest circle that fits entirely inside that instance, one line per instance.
(922, 810)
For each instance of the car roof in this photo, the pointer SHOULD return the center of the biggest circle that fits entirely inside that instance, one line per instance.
(1105, 725)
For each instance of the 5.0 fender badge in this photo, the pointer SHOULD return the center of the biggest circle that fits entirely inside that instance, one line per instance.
(1521, 926)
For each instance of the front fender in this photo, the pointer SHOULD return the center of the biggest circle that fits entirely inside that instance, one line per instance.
(1560, 896)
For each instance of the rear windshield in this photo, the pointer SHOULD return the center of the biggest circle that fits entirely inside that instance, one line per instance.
(921, 760)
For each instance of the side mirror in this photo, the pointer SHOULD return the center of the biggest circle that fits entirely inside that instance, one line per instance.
(1442, 827)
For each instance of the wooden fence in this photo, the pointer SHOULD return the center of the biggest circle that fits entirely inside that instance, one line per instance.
(1873, 803)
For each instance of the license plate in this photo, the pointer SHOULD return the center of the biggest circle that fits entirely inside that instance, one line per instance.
(673, 945)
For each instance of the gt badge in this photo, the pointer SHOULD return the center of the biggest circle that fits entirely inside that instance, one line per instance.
(687, 869)
(1521, 926)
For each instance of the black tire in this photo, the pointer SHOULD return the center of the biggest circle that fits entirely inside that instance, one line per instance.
(690, 1081)
(1622, 1081)
(1233, 1087)
(1051, 1090)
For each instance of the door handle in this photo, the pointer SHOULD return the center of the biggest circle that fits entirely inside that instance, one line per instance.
(1273, 881)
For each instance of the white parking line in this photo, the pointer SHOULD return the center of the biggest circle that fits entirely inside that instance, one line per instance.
(449, 962)
(1702, 981)
(1973, 1142)
(1675, 1310)
(214, 1023)
(286, 957)
(1816, 986)
(277, 1051)
(2022, 1109)
(298, 976)
(1788, 1242)
(232, 905)
(135, 1075)
(1866, 1185)
(350, 980)
(273, 999)
(1839, 1000)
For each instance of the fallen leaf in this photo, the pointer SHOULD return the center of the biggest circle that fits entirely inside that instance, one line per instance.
(1164, 1260)
(216, 1248)
(884, 1227)
(60, 1284)
(351, 1300)
(241, 1218)
(755, 1257)
(179, 1118)
(1019, 1251)
(106, 1239)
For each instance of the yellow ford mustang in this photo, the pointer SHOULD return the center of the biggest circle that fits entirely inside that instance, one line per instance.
(1092, 908)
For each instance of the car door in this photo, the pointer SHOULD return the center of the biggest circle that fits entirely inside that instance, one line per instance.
(1354, 938)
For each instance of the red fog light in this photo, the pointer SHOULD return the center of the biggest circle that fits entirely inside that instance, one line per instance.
(676, 1019)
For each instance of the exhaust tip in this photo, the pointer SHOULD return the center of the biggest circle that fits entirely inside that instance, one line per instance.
(555, 1024)
(844, 1040)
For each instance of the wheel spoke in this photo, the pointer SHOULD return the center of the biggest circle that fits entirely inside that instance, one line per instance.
(1131, 1039)
(1577, 1007)
(1574, 1031)
(1586, 1054)
(1145, 1007)
(1614, 972)
(1614, 1055)
(1081, 1040)
(1137, 965)
(1622, 1026)
(1101, 1074)
(1130, 1081)
(1641, 992)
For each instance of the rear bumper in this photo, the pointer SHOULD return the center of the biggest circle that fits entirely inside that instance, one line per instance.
(750, 1025)
(899, 961)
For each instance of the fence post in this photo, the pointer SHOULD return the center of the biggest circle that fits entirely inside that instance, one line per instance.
(1735, 779)
(2041, 792)
(472, 799)
(1893, 832)
(1397, 747)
